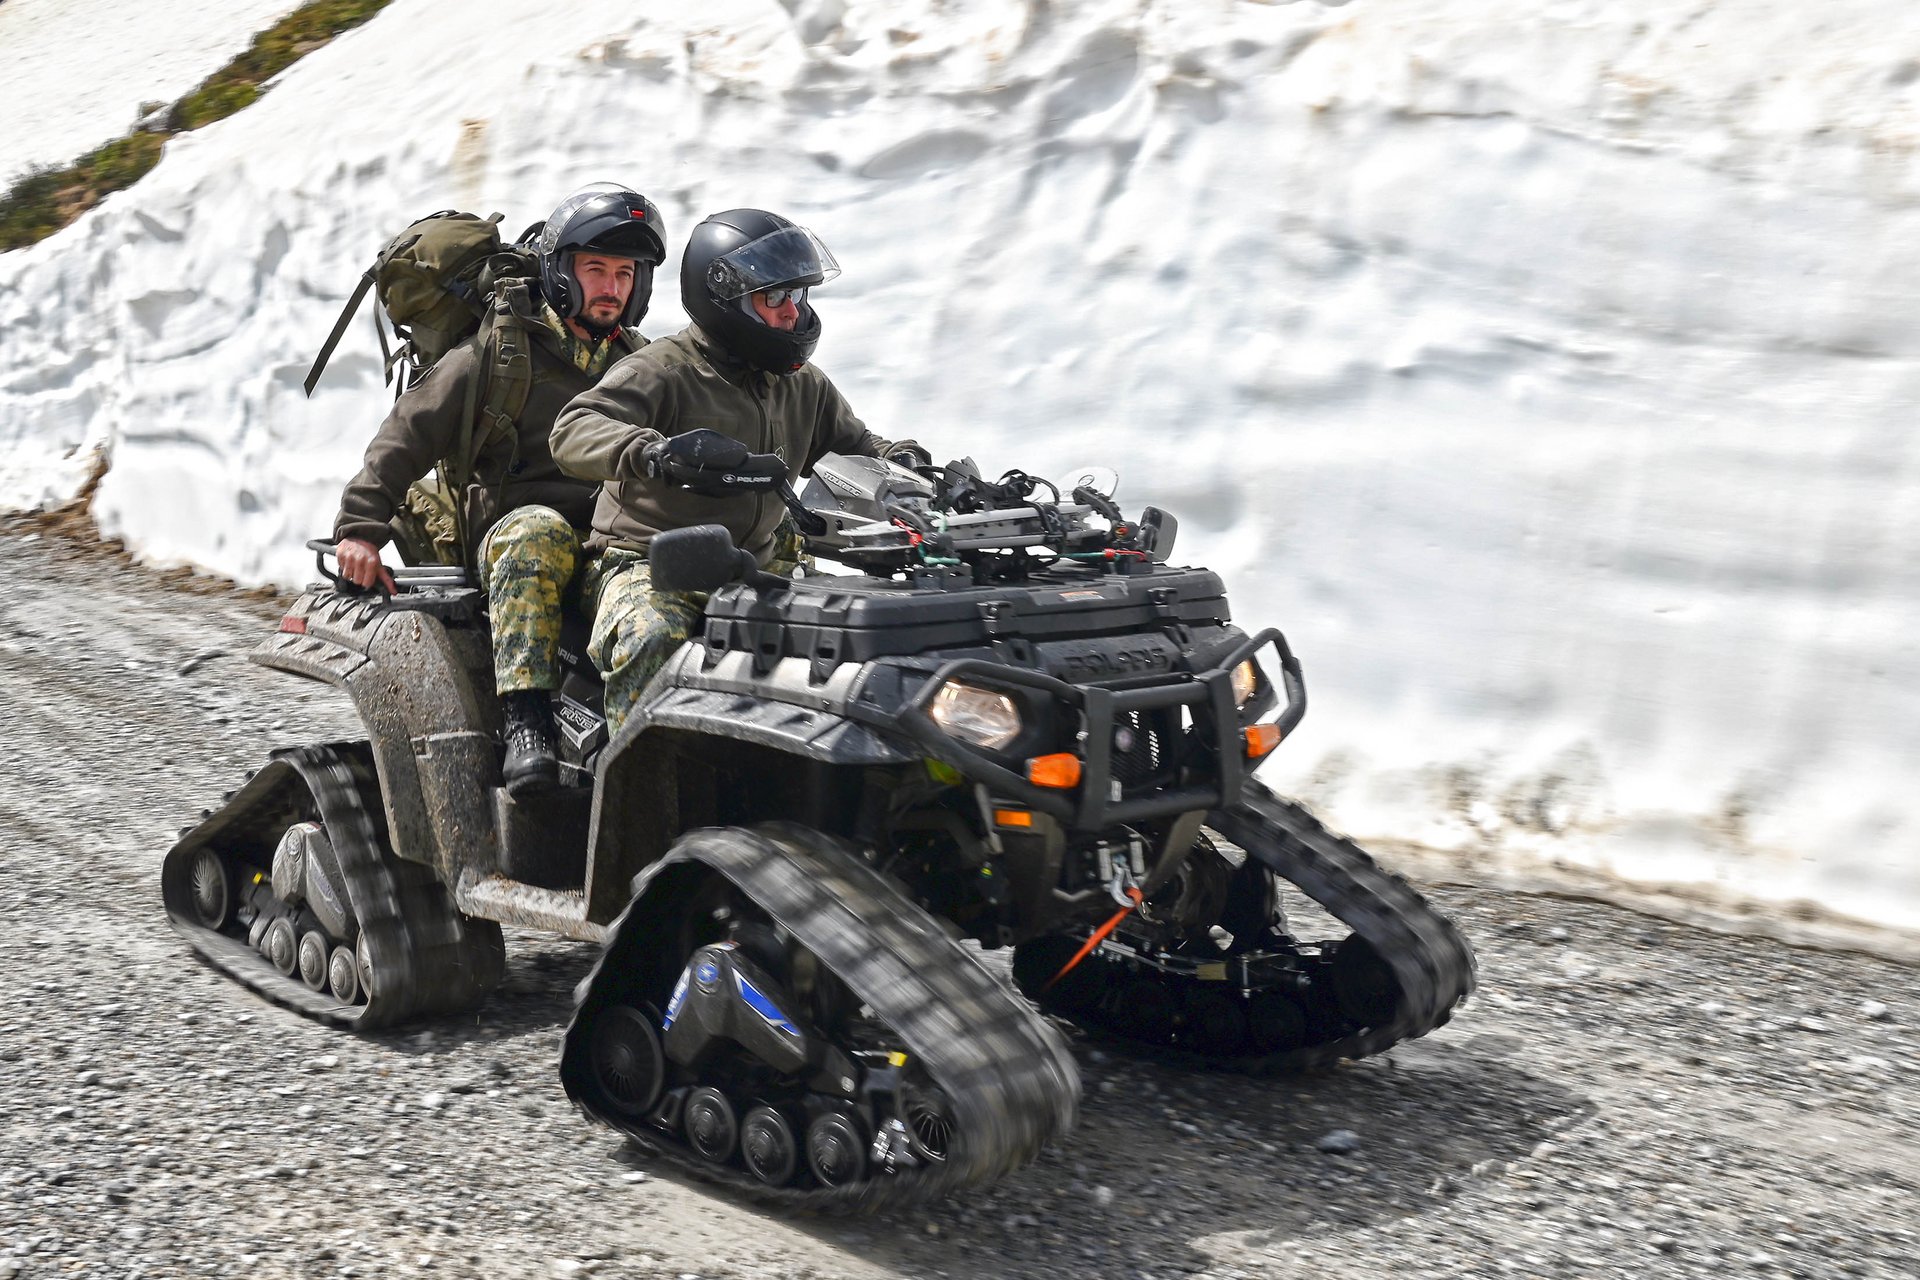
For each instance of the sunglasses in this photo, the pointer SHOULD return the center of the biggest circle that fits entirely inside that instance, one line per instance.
(778, 297)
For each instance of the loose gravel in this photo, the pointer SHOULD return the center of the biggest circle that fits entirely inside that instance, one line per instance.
(1625, 1097)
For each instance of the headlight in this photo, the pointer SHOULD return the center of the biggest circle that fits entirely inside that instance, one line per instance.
(976, 715)
(1246, 678)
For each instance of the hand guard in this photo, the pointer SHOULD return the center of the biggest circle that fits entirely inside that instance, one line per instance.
(909, 455)
(712, 464)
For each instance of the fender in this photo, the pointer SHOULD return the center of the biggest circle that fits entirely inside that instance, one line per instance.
(637, 797)
(412, 678)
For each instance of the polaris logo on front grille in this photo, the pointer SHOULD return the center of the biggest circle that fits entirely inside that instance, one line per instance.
(1100, 664)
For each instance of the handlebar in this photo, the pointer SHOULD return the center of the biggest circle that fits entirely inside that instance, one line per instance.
(322, 548)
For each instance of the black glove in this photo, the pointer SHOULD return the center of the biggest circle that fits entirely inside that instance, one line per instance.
(909, 455)
(689, 453)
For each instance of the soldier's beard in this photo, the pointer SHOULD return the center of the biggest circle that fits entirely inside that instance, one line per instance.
(595, 330)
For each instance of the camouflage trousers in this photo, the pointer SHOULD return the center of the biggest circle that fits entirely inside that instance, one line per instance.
(528, 559)
(636, 629)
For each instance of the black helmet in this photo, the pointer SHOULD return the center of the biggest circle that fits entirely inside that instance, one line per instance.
(744, 251)
(602, 218)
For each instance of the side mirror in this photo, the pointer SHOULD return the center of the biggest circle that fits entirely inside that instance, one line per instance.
(699, 558)
(1157, 531)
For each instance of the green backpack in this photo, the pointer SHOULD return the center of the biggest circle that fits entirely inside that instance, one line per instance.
(437, 284)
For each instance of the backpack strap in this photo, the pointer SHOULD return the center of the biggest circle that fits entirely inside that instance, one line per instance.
(494, 402)
(340, 327)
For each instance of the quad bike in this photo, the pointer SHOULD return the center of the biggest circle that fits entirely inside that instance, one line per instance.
(1012, 727)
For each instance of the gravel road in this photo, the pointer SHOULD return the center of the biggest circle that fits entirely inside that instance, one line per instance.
(1626, 1097)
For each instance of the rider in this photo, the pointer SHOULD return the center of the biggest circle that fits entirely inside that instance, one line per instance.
(740, 369)
(596, 257)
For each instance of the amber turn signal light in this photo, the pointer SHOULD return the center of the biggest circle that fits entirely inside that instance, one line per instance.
(1012, 818)
(1062, 769)
(1261, 738)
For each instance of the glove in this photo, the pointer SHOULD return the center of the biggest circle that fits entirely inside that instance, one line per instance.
(676, 458)
(909, 455)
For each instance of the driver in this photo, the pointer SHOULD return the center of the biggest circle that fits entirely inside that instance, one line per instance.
(740, 369)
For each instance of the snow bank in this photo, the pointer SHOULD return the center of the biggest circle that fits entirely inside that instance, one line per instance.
(74, 73)
(1544, 369)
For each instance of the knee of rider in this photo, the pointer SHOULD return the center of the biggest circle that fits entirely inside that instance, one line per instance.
(532, 541)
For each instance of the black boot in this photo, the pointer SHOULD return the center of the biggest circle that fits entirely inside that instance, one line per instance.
(531, 766)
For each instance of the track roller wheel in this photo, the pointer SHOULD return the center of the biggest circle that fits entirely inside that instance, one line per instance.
(363, 965)
(1363, 985)
(930, 1123)
(313, 959)
(212, 889)
(281, 946)
(836, 1152)
(768, 1147)
(343, 975)
(712, 1128)
(1277, 1022)
(1216, 1022)
(629, 1068)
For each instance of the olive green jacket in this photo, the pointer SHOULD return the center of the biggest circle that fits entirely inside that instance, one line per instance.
(680, 384)
(510, 471)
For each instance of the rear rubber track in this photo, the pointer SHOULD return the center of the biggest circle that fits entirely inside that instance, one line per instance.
(427, 959)
(1010, 1081)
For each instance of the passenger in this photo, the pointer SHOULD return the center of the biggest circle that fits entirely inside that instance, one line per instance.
(597, 253)
(739, 369)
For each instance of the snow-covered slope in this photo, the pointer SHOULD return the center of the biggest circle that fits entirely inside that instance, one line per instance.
(74, 73)
(1545, 369)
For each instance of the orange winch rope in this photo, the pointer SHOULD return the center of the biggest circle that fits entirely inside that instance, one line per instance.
(1099, 936)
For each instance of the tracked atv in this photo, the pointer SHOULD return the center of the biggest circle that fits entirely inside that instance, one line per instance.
(1010, 727)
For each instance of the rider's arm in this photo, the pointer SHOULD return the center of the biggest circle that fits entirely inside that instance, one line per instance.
(602, 431)
(420, 429)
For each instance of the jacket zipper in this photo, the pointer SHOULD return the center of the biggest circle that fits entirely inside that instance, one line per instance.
(766, 439)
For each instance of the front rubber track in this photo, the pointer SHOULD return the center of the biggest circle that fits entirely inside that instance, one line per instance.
(1431, 961)
(1009, 1078)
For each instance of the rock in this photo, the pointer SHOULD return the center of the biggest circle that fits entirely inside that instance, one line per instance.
(325, 1062)
(1876, 1012)
(1811, 1024)
(1103, 1196)
(63, 1113)
(633, 1176)
(433, 1101)
(1340, 1142)
(199, 660)
(1558, 934)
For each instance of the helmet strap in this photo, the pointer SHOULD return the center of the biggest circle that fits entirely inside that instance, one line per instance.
(599, 333)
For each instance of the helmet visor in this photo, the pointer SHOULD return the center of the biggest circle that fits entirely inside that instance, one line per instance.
(789, 256)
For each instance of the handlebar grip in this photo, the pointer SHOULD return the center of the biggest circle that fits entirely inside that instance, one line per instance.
(321, 549)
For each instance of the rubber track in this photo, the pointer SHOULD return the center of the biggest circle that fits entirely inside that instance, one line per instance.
(428, 960)
(1430, 958)
(1010, 1079)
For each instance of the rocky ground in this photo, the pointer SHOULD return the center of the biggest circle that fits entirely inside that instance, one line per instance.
(1625, 1097)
